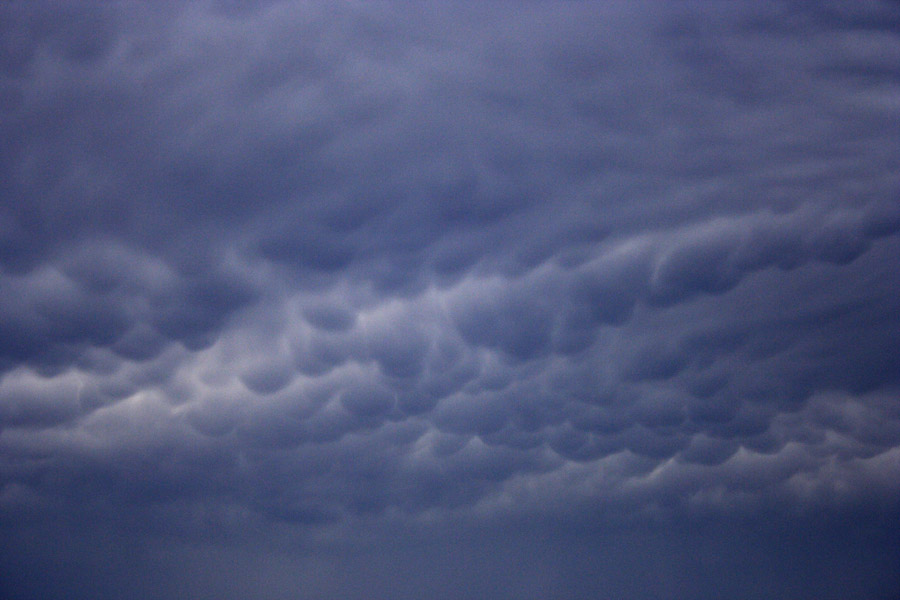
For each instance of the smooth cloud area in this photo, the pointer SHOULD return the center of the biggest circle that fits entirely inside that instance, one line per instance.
(458, 300)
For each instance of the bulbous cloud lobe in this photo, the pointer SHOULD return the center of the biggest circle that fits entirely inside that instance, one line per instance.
(317, 269)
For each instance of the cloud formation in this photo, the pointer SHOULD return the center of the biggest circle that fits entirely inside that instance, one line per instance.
(314, 273)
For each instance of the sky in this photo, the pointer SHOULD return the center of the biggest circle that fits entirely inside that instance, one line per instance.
(453, 300)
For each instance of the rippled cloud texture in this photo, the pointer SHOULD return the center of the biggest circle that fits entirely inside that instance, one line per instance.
(458, 300)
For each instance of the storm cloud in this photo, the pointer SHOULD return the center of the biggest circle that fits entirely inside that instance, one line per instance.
(307, 300)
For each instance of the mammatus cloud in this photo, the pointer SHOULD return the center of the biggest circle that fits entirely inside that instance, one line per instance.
(307, 287)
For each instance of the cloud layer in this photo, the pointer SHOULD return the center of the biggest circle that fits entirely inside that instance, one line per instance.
(328, 271)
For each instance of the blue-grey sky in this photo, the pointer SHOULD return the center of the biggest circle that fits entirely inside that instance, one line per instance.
(504, 300)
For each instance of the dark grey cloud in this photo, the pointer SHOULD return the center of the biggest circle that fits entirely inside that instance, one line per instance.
(305, 300)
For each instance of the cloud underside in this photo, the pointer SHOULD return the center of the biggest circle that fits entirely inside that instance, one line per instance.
(313, 265)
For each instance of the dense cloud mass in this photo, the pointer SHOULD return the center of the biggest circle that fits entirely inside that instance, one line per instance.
(512, 300)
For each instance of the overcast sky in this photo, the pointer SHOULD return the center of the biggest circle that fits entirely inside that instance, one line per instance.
(456, 300)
